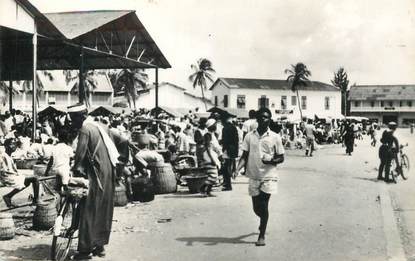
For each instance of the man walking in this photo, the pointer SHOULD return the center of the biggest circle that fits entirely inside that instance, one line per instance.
(310, 129)
(262, 151)
(95, 159)
(230, 146)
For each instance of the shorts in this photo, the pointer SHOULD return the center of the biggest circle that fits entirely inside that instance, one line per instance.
(268, 185)
(15, 181)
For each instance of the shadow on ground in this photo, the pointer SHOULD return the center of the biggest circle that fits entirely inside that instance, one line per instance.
(34, 252)
(212, 241)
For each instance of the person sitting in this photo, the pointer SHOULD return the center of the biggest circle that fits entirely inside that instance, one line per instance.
(10, 177)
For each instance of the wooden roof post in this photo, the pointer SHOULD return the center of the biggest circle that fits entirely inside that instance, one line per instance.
(10, 95)
(34, 88)
(81, 90)
(157, 87)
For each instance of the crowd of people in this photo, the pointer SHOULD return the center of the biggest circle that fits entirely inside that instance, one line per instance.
(95, 152)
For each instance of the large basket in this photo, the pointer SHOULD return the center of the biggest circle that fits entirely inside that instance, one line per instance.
(25, 163)
(163, 178)
(195, 183)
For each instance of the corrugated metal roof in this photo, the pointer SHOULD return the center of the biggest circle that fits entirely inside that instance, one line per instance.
(382, 92)
(74, 24)
(243, 83)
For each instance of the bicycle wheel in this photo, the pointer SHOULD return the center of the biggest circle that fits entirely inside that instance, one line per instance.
(63, 233)
(405, 166)
(393, 171)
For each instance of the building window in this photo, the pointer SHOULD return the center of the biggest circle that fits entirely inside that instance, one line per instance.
(284, 102)
(409, 103)
(390, 103)
(372, 104)
(216, 101)
(382, 103)
(327, 103)
(240, 102)
(263, 102)
(304, 102)
(400, 103)
(294, 100)
(225, 101)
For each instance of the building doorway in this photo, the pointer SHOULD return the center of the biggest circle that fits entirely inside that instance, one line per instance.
(388, 118)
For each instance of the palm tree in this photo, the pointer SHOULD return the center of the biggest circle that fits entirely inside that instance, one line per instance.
(298, 77)
(90, 83)
(130, 81)
(27, 85)
(202, 70)
(341, 81)
(5, 92)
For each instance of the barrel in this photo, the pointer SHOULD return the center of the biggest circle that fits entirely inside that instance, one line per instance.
(120, 196)
(163, 178)
(143, 189)
(45, 215)
(7, 228)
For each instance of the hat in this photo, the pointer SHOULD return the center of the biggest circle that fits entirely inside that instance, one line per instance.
(392, 124)
(210, 123)
(79, 107)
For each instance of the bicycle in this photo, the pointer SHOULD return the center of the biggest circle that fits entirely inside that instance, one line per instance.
(67, 223)
(403, 170)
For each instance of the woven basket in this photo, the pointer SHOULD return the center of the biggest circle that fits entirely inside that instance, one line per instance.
(25, 163)
(194, 183)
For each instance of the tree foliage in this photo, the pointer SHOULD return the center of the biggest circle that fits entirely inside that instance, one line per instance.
(129, 82)
(203, 72)
(298, 77)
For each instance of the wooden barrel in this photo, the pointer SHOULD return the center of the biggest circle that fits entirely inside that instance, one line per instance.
(7, 228)
(143, 189)
(120, 196)
(163, 178)
(45, 215)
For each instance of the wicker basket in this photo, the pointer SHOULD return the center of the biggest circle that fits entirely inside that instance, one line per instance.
(25, 163)
(194, 183)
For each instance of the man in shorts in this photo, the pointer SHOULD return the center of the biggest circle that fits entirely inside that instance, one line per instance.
(262, 151)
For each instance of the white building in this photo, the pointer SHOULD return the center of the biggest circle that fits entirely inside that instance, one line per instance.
(320, 99)
(384, 103)
(56, 91)
(170, 96)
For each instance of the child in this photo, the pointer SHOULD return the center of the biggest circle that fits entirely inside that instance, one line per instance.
(60, 158)
(211, 163)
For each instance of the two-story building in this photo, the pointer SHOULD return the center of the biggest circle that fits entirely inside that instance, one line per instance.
(384, 103)
(317, 99)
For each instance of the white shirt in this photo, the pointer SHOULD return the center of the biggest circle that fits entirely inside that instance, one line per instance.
(62, 155)
(249, 125)
(309, 130)
(267, 145)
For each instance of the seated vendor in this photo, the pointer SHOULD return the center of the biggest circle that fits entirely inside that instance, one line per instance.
(10, 177)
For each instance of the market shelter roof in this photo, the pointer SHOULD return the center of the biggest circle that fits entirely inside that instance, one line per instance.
(109, 39)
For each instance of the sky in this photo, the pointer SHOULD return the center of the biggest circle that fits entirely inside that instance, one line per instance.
(374, 40)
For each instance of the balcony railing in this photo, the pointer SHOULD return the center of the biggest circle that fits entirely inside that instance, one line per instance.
(383, 109)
